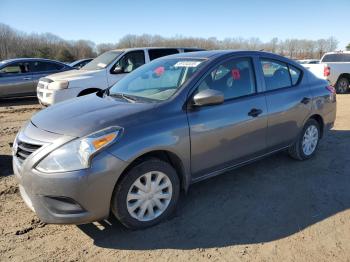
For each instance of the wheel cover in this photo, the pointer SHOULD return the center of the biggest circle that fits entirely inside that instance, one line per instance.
(342, 85)
(149, 196)
(310, 140)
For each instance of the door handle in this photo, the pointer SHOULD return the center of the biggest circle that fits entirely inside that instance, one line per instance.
(254, 112)
(27, 78)
(305, 100)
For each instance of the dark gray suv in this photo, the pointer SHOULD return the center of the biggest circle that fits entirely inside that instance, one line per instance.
(20, 76)
(170, 123)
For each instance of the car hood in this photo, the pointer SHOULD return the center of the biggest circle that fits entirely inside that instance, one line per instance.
(87, 114)
(75, 74)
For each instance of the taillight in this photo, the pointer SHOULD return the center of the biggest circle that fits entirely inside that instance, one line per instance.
(331, 89)
(326, 71)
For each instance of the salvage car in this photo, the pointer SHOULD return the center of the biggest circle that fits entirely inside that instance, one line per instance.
(178, 120)
(20, 76)
(99, 74)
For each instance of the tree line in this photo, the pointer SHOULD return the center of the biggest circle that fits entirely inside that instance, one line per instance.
(14, 43)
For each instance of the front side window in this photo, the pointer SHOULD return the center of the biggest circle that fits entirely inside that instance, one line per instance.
(129, 62)
(157, 80)
(156, 53)
(234, 79)
(276, 74)
(15, 68)
(102, 61)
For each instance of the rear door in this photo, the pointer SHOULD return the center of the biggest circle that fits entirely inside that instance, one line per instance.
(288, 101)
(16, 79)
(235, 131)
(125, 64)
(44, 68)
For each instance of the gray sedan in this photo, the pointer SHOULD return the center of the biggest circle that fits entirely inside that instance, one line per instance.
(170, 123)
(19, 77)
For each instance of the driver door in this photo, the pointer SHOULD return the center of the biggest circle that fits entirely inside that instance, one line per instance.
(226, 134)
(16, 79)
(126, 64)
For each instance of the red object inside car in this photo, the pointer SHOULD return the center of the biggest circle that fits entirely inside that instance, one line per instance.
(159, 70)
(235, 74)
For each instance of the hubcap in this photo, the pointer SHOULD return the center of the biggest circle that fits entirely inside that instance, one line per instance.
(342, 85)
(310, 140)
(149, 196)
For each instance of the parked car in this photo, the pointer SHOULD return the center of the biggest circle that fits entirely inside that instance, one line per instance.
(101, 73)
(80, 63)
(170, 123)
(309, 61)
(334, 67)
(20, 76)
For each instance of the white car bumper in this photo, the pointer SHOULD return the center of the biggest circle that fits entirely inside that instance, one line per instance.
(49, 97)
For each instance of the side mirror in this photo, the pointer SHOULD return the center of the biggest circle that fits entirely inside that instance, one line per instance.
(208, 97)
(118, 69)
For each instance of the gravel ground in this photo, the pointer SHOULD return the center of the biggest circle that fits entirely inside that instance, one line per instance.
(277, 209)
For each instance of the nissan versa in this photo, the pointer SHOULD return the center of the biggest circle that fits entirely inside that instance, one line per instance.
(179, 119)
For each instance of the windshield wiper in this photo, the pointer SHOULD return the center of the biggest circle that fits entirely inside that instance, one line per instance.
(128, 98)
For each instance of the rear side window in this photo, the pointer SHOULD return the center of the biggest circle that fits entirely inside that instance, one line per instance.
(42, 66)
(341, 57)
(156, 53)
(15, 68)
(276, 74)
(234, 78)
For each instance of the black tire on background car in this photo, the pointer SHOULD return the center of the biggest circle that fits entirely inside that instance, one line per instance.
(342, 85)
(307, 142)
(146, 195)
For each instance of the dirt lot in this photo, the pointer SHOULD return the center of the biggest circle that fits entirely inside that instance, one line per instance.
(277, 209)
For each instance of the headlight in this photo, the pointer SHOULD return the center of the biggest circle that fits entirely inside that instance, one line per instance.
(78, 153)
(59, 84)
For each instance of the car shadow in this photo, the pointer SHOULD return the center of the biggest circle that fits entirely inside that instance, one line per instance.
(271, 199)
(31, 100)
(5, 165)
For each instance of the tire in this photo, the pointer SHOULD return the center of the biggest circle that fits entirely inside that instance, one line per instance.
(123, 201)
(297, 150)
(342, 85)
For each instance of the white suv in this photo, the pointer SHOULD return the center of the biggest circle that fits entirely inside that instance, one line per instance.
(101, 73)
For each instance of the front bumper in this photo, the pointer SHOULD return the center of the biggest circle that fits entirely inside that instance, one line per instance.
(74, 197)
(49, 97)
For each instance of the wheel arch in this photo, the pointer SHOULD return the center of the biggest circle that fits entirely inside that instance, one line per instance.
(89, 90)
(170, 157)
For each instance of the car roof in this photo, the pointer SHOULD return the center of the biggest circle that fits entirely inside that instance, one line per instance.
(155, 47)
(28, 59)
(212, 54)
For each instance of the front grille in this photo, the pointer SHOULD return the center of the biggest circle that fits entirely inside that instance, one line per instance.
(24, 150)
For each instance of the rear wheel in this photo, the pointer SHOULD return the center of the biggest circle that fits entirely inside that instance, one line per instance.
(307, 142)
(146, 195)
(342, 85)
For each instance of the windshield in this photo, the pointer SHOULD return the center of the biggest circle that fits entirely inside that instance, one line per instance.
(158, 80)
(102, 61)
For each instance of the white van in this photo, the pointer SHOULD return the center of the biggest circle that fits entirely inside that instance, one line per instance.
(101, 73)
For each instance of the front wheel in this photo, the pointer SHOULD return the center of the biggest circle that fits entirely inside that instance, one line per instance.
(146, 195)
(342, 85)
(307, 142)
